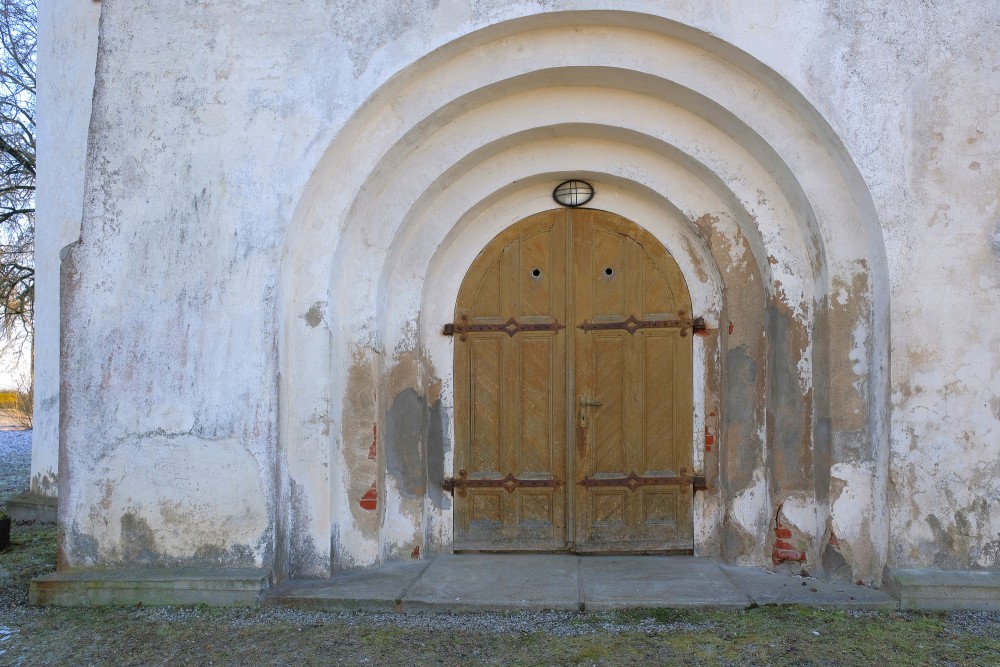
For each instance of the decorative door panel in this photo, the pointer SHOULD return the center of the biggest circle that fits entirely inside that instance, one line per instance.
(573, 390)
(632, 351)
(510, 376)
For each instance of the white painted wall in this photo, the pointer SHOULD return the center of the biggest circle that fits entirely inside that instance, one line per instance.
(67, 55)
(220, 152)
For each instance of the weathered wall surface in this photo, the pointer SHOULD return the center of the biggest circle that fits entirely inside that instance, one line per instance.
(248, 371)
(169, 368)
(913, 88)
(67, 57)
(933, 169)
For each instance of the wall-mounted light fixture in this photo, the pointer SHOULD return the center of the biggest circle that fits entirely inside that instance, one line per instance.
(573, 193)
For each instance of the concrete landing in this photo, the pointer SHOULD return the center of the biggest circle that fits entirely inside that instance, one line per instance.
(32, 507)
(943, 589)
(86, 588)
(493, 582)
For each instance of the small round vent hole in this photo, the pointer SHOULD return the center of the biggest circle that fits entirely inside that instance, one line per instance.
(609, 271)
(536, 272)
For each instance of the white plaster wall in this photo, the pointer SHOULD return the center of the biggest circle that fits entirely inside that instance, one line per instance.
(208, 124)
(913, 89)
(67, 55)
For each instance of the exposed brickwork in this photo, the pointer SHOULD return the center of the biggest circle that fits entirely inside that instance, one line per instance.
(784, 551)
(711, 429)
(369, 501)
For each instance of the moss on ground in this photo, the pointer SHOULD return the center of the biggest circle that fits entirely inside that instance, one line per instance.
(763, 636)
(32, 552)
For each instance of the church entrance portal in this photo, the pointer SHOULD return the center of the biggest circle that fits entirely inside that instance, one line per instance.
(573, 391)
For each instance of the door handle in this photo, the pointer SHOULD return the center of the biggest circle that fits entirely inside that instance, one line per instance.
(584, 404)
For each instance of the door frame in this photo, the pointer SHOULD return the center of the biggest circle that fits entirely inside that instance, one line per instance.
(702, 354)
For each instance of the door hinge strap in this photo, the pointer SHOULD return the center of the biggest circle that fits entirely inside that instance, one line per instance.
(631, 325)
(633, 481)
(510, 327)
(510, 483)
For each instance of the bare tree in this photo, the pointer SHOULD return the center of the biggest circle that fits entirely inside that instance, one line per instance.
(17, 172)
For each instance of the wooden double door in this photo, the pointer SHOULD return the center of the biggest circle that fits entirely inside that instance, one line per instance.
(573, 390)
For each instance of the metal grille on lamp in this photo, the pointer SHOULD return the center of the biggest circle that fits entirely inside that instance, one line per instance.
(573, 193)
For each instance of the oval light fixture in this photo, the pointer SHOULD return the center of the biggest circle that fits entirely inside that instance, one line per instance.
(573, 193)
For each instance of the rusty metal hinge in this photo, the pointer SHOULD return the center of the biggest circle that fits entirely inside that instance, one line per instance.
(631, 325)
(633, 481)
(509, 483)
(510, 327)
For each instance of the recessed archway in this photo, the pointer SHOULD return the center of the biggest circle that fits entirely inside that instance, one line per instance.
(729, 167)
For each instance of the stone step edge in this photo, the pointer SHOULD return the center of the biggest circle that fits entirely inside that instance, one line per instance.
(925, 588)
(93, 587)
(33, 507)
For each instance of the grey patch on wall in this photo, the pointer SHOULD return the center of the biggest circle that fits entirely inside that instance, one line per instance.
(995, 241)
(405, 425)
(303, 560)
(954, 544)
(736, 542)
(83, 547)
(396, 18)
(741, 398)
(210, 553)
(786, 421)
(335, 547)
(991, 554)
(238, 555)
(138, 540)
(995, 407)
(822, 452)
(835, 565)
(47, 484)
(314, 316)
(436, 446)
(265, 547)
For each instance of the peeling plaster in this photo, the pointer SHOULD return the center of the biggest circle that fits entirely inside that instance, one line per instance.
(750, 508)
(762, 197)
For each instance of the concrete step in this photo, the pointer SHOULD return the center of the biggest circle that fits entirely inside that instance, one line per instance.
(151, 587)
(33, 507)
(509, 582)
(945, 589)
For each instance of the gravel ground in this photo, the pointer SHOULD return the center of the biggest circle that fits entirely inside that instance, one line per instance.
(763, 636)
(32, 548)
(15, 463)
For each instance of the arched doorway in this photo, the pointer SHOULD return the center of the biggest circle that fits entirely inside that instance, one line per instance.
(573, 390)
(720, 157)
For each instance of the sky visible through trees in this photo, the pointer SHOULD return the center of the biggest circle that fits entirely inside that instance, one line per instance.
(17, 186)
